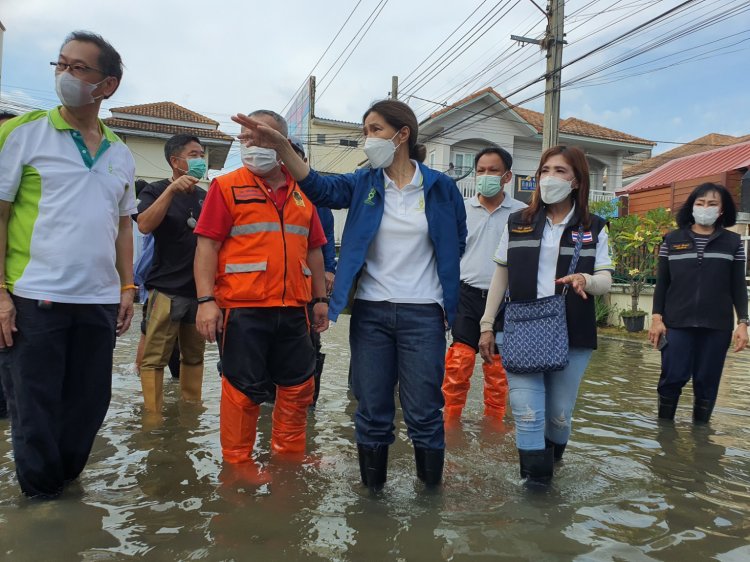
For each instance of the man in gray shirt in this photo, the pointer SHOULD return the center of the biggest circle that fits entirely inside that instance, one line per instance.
(486, 216)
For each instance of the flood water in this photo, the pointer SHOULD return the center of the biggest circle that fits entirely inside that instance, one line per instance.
(628, 489)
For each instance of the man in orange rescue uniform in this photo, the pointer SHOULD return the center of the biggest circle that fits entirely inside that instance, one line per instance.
(257, 264)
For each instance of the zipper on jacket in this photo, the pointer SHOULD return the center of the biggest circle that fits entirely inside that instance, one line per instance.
(283, 241)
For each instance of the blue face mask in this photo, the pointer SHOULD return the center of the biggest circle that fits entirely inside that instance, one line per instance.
(196, 167)
(489, 186)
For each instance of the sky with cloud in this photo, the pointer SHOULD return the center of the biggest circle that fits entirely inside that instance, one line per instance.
(673, 82)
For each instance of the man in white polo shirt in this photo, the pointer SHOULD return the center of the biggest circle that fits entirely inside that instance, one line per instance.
(486, 216)
(66, 266)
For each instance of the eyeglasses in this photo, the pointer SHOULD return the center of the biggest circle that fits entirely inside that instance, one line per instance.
(76, 69)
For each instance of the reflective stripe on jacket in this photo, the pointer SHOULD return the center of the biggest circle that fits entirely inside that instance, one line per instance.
(263, 261)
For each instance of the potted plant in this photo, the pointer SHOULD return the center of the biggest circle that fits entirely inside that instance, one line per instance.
(635, 241)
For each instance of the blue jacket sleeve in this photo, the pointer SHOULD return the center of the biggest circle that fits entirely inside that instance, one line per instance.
(334, 191)
(463, 232)
(329, 250)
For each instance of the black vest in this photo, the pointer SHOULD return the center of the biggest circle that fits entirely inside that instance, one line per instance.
(524, 241)
(699, 293)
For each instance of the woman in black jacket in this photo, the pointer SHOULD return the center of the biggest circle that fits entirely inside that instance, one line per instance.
(700, 280)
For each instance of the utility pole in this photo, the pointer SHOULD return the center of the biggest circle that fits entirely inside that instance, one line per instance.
(553, 42)
(554, 47)
(394, 87)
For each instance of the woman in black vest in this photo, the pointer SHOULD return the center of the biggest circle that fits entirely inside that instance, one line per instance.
(533, 258)
(700, 280)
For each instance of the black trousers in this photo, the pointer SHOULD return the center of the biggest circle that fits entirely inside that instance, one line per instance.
(266, 346)
(471, 303)
(59, 385)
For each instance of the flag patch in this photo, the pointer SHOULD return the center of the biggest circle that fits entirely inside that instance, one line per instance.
(587, 236)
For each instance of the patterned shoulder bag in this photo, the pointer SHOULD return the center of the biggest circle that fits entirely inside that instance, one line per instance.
(536, 331)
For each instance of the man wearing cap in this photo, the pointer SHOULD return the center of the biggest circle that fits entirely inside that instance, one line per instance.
(170, 209)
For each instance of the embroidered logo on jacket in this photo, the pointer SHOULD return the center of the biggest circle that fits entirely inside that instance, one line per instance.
(522, 229)
(298, 199)
(681, 246)
(371, 197)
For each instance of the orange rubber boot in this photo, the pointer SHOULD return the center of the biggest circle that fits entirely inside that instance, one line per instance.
(495, 388)
(238, 420)
(290, 418)
(459, 366)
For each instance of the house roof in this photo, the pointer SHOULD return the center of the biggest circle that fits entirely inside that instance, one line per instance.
(569, 126)
(165, 110)
(707, 163)
(165, 129)
(702, 144)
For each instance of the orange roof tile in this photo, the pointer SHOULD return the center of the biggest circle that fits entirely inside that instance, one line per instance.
(699, 165)
(115, 123)
(165, 110)
(570, 126)
(702, 144)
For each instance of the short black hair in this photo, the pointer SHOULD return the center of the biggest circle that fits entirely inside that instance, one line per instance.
(110, 62)
(7, 115)
(728, 215)
(501, 152)
(175, 145)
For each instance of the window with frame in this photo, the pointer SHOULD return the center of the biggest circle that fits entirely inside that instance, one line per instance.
(348, 142)
(321, 139)
(464, 162)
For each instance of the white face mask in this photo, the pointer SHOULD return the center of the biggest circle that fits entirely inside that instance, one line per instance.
(380, 152)
(554, 189)
(258, 160)
(74, 92)
(706, 216)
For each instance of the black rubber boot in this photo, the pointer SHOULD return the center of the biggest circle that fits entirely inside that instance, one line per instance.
(429, 465)
(373, 466)
(702, 410)
(537, 465)
(558, 449)
(319, 362)
(667, 407)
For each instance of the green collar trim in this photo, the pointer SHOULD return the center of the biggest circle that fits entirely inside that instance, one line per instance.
(59, 123)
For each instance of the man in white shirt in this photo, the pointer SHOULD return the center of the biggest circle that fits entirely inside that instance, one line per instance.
(486, 216)
(66, 266)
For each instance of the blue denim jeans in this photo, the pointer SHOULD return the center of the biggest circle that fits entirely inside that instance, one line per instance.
(404, 344)
(542, 403)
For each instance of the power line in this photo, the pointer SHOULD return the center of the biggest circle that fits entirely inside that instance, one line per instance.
(373, 16)
(304, 82)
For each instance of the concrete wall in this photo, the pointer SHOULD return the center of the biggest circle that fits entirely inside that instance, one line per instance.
(332, 156)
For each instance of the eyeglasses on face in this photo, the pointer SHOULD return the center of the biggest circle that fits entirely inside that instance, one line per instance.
(76, 69)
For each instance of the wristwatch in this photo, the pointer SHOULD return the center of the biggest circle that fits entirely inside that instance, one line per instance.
(316, 300)
(745, 321)
(208, 298)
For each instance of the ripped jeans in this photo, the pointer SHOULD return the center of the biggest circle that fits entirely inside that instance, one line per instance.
(542, 403)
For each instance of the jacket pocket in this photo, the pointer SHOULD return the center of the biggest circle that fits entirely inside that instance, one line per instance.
(300, 287)
(244, 280)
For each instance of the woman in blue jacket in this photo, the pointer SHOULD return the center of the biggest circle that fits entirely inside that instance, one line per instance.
(400, 253)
